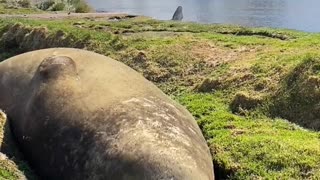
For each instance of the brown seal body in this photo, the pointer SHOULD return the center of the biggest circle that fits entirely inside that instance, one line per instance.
(80, 115)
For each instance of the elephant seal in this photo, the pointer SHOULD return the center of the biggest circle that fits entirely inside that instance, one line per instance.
(178, 15)
(80, 115)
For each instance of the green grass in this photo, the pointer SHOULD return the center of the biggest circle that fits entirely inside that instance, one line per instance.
(15, 7)
(15, 10)
(253, 148)
(250, 144)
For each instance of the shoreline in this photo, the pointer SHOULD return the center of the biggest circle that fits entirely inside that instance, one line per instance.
(65, 15)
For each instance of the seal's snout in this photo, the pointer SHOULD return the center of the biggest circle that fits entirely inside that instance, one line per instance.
(57, 66)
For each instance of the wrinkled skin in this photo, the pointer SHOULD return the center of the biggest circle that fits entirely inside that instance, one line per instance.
(80, 115)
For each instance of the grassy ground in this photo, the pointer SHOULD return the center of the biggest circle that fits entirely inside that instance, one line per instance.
(239, 83)
(5, 8)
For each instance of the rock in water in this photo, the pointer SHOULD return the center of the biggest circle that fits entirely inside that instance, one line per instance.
(80, 115)
(178, 15)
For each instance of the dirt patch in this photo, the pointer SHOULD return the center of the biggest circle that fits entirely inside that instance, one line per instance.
(215, 55)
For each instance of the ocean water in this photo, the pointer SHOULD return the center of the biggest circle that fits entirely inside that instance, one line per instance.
(290, 14)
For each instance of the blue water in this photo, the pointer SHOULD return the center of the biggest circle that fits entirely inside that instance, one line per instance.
(291, 14)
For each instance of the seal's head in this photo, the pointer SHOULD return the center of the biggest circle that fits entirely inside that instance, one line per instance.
(56, 67)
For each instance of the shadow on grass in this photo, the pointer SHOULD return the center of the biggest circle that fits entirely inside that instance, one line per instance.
(10, 149)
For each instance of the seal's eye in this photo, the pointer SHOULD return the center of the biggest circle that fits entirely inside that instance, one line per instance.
(57, 66)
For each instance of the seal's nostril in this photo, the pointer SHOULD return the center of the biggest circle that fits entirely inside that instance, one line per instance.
(58, 60)
(56, 66)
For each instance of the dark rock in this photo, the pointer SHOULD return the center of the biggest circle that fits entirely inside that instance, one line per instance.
(178, 15)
